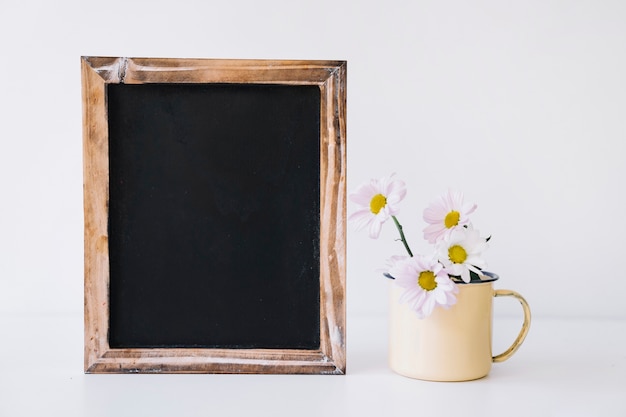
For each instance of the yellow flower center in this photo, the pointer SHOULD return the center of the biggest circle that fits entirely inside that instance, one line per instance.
(426, 280)
(378, 202)
(452, 219)
(457, 254)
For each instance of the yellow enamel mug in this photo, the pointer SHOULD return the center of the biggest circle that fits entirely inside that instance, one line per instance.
(452, 344)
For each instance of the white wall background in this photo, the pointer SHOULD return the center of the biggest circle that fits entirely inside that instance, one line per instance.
(521, 105)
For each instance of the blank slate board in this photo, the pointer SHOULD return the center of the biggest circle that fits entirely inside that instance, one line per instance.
(214, 216)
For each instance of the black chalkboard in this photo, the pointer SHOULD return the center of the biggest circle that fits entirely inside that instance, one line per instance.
(214, 216)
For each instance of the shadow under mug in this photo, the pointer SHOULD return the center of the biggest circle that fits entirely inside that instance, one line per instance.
(452, 344)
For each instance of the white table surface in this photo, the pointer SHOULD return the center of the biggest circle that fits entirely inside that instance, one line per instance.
(565, 368)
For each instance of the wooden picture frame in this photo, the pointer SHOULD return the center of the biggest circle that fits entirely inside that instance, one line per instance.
(330, 78)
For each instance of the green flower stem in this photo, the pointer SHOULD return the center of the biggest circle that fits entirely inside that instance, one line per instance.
(402, 238)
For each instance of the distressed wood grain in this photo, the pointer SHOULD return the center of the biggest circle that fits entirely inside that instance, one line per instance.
(330, 76)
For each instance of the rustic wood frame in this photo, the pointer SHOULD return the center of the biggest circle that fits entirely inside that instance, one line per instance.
(330, 76)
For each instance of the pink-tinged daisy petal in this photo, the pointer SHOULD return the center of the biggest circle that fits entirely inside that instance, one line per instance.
(434, 229)
(434, 212)
(454, 198)
(451, 297)
(390, 264)
(360, 219)
(377, 201)
(449, 212)
(417, 303)
(363, 195)
(409, 297)
(396, 191)
(440, 297)
(428, 307)
(425, 284)
(469, 208)
(375, 227)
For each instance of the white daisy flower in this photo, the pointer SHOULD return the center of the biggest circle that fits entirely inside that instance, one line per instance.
(425, 283)
(378, 201)
(445, 214)
(461, 252)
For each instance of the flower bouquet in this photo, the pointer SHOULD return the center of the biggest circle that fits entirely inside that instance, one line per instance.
(428, 280)
(424, 339)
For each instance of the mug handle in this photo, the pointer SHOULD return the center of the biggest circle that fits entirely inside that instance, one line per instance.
(525, 326)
